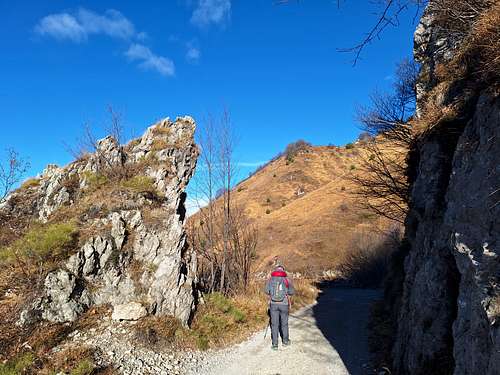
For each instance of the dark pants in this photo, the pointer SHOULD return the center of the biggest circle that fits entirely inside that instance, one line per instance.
(279, 319)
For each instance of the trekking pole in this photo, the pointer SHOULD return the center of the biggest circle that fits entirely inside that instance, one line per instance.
(268, 321)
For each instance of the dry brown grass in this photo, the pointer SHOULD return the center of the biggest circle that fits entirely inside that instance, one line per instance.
(475, 65)
(494, 307)
(367, 263)
(157, 332)
(308, 231)
(477, 23)
(221, 321)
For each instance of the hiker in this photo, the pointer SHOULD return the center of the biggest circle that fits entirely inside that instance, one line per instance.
(279, 288)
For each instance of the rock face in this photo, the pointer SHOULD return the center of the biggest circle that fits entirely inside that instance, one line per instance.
(448, 318)
(136, 258)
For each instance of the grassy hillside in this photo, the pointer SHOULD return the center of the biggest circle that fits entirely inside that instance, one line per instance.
(305, 209)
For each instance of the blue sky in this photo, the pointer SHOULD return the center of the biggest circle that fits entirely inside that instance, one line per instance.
(275, 67)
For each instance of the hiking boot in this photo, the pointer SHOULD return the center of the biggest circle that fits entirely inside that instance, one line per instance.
(287, 343)
(274, 347)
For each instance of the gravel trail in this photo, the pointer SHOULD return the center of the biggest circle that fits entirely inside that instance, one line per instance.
(328, 337)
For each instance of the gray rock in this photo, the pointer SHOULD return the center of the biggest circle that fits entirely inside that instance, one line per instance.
(129, 311)
(154, 267)
(448, 310)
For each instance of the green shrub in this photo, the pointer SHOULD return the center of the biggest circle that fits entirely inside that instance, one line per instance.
(18, 365)
(352, 167)
(222, 303)
(94, 180)
(268, 200)
(202, 342)
(268, 211)
(238, 315)
(84, 367)
(42, 242)
(140, 184)
(349, 146)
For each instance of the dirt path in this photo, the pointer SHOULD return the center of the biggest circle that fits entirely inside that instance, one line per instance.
(328, 337)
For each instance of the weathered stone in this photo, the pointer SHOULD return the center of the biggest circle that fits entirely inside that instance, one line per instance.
(129, 311)
(447, 318)
(65, 299)
(154, 267)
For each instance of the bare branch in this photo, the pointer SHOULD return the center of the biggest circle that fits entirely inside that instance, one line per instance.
(11, 172)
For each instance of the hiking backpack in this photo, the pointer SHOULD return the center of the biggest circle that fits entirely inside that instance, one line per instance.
(279, 289)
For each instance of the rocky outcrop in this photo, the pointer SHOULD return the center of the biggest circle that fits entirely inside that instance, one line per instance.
(131, 200)
(448, 318)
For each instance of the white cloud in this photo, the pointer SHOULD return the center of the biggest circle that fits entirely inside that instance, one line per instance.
(111, 23)
(77, 27)
(61, 26)
(148, 60)
(211, 12)
(193, 53)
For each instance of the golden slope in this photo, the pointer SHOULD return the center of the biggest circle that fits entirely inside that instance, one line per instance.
(305, 210)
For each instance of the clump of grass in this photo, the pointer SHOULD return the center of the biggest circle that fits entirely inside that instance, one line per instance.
(19, 365)
(268, 211)
(224, 305)
(30, 183)
(217, 319)
(156, 331)
(85, 367)
(352, 167)
(140, 184)
(73, 361)
(41, 242)
(94, 181)
(159, 144)
(268, 200)
(161, 130)
(72, 183)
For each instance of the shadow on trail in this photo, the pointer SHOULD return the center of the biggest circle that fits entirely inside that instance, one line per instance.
(342, 315)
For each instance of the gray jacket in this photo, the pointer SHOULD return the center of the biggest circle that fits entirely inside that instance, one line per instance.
(290, 290)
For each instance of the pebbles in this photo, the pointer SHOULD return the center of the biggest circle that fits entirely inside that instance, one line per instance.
(116, 346)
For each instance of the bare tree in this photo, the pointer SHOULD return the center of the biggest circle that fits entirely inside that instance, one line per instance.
(381, 182)
(115, 128)
(11, 172)
(389, 113)
(87, 143)
(220, 232)
(389, 14)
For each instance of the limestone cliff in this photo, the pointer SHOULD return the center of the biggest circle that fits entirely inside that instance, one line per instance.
(448, 313)
(128, 205)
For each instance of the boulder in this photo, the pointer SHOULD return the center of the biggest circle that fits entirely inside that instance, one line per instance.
(129, 311)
